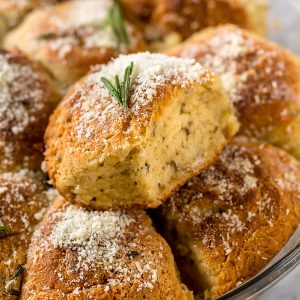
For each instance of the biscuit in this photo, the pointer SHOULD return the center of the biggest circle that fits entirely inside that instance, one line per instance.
(81, 254)
(23, 201)
(27, 97)
(103, 155)
(12, 12)
(227, 223)
(171, 21)
(261, 78)
(70, 37)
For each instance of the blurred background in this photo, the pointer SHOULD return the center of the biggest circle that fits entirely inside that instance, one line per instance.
(284, 24)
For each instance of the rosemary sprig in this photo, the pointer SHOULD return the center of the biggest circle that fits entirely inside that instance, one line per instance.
(121, 89)
(117, 23)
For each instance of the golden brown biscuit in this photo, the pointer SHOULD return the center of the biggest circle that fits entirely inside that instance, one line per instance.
(70, 37)
(174, 20)
(227, 223)
(139, 11)
(12, 12)
(27, 97)
(104, 155)
(22, 203)
(81, 254)
(262, 79)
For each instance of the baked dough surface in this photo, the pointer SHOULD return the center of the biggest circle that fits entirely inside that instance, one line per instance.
(27, 98)
(23, 201)
(227, 223)
(102, 156)
(171, 21)
(70, 37)
(261, 78)
(80, 254)
(12, 12)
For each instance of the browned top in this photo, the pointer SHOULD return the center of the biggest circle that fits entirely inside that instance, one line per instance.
(161, 17)
(15, 10)
(99, 255)
(26, 100)
(22, 203)
(139, 11)
(70, 37)
(89, 121)
(261, 78)
(240, 212)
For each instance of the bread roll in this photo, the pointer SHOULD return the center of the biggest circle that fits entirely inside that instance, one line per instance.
(12, 12)
(27, 97)
(262, 79)
(162, 19)
(139, 11)
(70, 37)
(103, 155)
(226, 224)
(22, 203)
(81, 254)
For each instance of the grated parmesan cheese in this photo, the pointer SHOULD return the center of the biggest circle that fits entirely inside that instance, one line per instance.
(21, 95)
(243, 65)
(101, 239)
(82, 24)
(95, 236)
(25, 103)
(151, 73)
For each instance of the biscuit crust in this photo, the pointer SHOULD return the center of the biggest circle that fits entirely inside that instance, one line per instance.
(70, 37)
(22, 203)
(178, 120)
(12, 12)
(226, 224)
(172, 21)
(135, 262)
(27, 98)
(261, 78)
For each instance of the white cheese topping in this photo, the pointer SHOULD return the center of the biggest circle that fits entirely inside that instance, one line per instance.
(151, 72)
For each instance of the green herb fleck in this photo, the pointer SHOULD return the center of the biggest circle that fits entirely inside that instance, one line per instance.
(14, 292)
(132, 253)
(3, 228)
(6, 234)
(117, 23)
(19, 270)
(121, 89)
(174, 165)
(46, 35)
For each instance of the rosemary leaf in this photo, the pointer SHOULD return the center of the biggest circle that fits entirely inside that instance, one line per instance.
(112, 89)
(122, 26)
(117, 23)
(118, 87)
(121, 91)
(3, 228)
(127, 81)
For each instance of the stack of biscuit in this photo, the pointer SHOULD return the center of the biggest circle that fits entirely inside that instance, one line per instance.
(131, 174)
